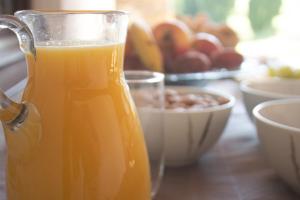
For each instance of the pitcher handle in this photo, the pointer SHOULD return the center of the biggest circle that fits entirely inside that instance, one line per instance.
(21, 30)
(11, 113)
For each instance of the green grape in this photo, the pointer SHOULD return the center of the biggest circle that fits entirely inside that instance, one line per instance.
(272, 72)
(285, 72)
(297, 73)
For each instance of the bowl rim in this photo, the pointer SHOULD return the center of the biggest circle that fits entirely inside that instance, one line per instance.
(231, 102)
(245, 86)
(152, 77)
(228, 105)
(260, 117)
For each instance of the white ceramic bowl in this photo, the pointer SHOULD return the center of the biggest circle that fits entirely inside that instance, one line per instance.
(278, 128)
(258, 91)
(188, 133)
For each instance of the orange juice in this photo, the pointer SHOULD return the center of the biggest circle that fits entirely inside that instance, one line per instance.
(91, 146)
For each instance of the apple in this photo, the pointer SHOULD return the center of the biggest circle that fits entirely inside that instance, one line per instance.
(206, 43)
(191, 61)
(173, 36)
(228, 58)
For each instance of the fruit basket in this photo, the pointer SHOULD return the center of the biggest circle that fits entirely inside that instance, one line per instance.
(185, 56)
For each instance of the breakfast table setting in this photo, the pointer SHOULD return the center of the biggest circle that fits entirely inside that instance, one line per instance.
(189, 118)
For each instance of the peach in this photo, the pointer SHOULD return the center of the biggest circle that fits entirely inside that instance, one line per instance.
(206, 43)
(228, 58)
(195, 23)
(173, 36)
(191, 61)
(227, 35)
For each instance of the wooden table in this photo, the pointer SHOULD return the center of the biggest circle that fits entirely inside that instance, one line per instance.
(234, 169)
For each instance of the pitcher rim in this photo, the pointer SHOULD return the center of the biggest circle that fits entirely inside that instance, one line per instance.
(69, 12)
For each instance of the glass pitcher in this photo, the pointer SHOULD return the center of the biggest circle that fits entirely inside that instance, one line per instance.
(75, 135)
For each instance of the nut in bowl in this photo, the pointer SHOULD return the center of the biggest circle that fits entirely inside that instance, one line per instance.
(194, 120)
(278, 129)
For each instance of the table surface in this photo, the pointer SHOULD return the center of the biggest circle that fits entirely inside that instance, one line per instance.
(234, 169)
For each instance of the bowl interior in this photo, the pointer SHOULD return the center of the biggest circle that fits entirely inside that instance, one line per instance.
(274, 88)
(285, 112)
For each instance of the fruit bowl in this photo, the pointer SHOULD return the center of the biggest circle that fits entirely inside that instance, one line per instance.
(186, 57)
(249, 68)
(200, 78)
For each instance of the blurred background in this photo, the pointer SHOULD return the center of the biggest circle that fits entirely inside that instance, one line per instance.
(266, 28)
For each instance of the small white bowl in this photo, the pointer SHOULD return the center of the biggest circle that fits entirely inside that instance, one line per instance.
(258, 91)
(188, 133)
(278, 128)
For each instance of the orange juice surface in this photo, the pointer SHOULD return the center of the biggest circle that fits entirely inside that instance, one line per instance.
(91, 146)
